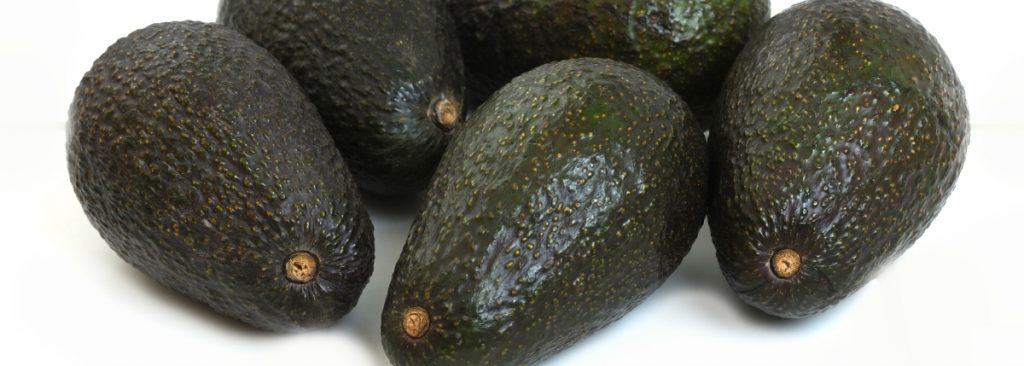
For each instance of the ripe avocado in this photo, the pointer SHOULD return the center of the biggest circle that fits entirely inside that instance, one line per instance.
(688, 43)
(386, 75)
(842, 130)
(204, 165)
(563, 202)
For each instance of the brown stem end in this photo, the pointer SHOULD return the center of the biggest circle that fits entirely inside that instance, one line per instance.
(301, 267)
(416, 322)
(786, 263)
(446, 113)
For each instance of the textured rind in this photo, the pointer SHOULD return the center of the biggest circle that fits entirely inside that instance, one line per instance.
(202, 163)
(564, 201)
(374, 69)
(688, 43)
(843, 128)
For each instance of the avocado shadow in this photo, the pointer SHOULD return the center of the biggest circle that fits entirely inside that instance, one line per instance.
(194, 308)
(392, 207)
(391, 221)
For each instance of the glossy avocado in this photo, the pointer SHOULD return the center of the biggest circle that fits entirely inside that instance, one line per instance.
(842, 130)
(386, 75)
(564, 201)
(204, 165)
(688, 43)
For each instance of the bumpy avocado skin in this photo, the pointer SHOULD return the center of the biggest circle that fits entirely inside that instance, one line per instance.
(374, 69)
(564, 201)
(843, 128)
(688, 43)
(202, 163)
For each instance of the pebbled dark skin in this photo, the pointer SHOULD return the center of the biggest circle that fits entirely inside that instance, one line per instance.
(202, 163)
(688, 43)
(374, 69)
(843, 129)
(564, 201)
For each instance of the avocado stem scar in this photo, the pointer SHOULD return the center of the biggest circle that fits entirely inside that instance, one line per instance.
(301, 267)
(415, 322)
(785, 263)
(446, 113)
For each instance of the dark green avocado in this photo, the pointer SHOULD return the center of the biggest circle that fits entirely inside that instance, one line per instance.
(842, 130)
(204, 165)
(386, 75)
(564, 201)
(688, 43)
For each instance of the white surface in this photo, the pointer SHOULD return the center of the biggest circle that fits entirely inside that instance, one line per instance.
(955, 298)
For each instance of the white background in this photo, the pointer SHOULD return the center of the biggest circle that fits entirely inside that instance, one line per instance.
(955, 298)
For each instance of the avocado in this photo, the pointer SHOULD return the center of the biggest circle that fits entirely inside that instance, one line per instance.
(386, 75)
(842, 130)
(562, 203)
(688, 43)
(204, 165)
